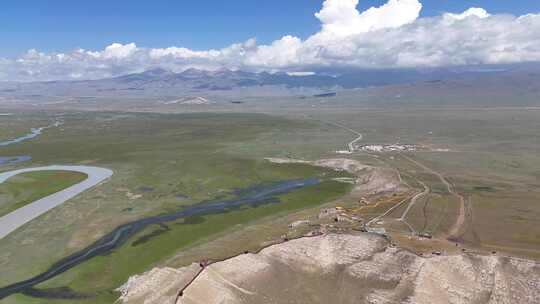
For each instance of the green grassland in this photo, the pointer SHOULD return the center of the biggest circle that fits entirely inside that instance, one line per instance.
(161, 163)
(25, 188)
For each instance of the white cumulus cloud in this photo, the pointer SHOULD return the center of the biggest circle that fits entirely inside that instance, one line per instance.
(341, 18)
(471, 12)
(389, 36)
(119, 51)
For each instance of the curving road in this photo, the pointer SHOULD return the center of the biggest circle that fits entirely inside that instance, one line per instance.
(411, 205)
(23, 215)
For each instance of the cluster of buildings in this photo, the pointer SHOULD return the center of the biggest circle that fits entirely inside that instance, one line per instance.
(388, 148)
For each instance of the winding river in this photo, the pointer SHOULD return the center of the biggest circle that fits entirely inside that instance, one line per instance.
(255, 196)
(250, 197)
(12, 160)
(34, 132)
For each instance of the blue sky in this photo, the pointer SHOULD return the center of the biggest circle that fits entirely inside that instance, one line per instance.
(62, 25)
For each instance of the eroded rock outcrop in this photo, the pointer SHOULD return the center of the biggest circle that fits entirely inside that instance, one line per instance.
(345, 268)
(159, 285)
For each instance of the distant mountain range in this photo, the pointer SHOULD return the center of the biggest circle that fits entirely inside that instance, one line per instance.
(219, 80)
(193, 82)
(228, 80)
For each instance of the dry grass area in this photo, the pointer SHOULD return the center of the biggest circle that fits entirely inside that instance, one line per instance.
(513, 215)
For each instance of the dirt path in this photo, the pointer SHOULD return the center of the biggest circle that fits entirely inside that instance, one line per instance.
(414, 200)
(402, 219)
(460, 221)
(375, 219)
(464, 204)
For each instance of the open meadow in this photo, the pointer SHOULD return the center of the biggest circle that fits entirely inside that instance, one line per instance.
(164, 162)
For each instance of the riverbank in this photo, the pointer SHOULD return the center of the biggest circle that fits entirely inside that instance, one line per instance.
(200, 220)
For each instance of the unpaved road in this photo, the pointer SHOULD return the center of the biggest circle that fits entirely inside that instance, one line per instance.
(414, 200)
(460, 221)
(377, 218)
(11, 221)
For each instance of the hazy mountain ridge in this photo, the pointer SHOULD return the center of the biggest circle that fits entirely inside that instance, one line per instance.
(456, 85)
(228, 79)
